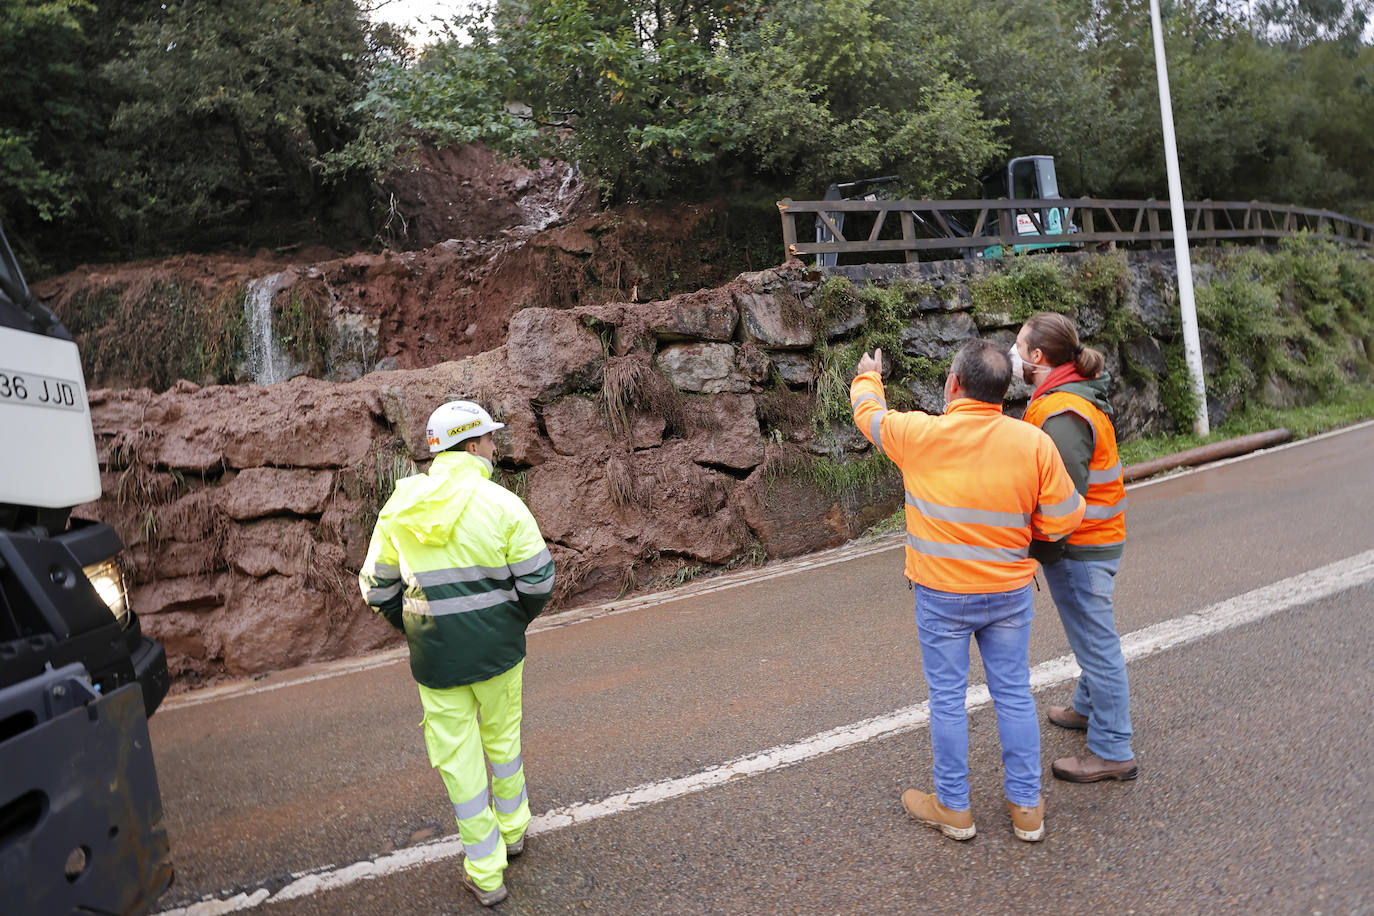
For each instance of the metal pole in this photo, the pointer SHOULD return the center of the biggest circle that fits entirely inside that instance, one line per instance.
(1192, 346)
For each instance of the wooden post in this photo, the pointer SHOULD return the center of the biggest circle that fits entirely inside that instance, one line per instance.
(1152, 218)
(909, 235)
(1209, 220)
(789, 229)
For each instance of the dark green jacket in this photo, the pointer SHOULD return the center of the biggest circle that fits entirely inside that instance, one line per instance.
(457, 563)
(1073, 436)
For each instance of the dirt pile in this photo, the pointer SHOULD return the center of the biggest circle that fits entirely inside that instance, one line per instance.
(247, 509)
(475, 239)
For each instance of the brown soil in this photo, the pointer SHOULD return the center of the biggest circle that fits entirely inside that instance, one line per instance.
(474, 240)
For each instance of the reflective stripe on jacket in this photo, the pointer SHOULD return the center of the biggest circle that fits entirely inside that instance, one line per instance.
(1103, 532)
(457, 563)
(977, 484)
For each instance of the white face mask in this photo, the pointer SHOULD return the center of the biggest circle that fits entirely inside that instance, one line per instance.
(1022, 369)
(487, 464)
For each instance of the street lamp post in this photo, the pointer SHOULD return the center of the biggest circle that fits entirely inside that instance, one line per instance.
(1192, 346)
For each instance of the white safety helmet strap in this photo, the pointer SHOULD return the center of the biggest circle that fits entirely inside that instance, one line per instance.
(456, 422)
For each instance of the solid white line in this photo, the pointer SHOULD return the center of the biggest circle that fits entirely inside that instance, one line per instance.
(1295, 591)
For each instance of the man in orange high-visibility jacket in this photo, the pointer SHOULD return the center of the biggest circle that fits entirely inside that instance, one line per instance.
(978, 484)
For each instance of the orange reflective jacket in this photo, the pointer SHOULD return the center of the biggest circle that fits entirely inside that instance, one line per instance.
(978, 483)
(1104, 523)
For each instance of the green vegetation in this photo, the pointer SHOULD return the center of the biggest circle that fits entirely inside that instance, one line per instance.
(1351, 405)
(137, 128)
(156, 331)
(1300, 316)
(1024, 284)
(887, 309)
(303, 327)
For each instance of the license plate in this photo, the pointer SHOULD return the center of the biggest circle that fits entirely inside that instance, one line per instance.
(34, 390)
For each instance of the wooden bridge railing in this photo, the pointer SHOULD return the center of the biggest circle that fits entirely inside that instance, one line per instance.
(965, 227)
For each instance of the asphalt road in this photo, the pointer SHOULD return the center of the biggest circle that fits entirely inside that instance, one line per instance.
(1254, 745)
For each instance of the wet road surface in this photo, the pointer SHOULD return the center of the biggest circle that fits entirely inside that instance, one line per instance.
(1254, 744)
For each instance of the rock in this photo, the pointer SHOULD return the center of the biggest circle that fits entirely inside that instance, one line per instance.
(405, 399)
(260, 492)
(851, 319)
(646, 430)
(753, 363)
(275, 624)
(708, 314)
(275, 545)
(794, 368)
(572, 239)
(551, 352)
(187, 593)
(184, 638)
(791, 515)
(1145, 353)
(174, 558)
(929, 394)
(353, 346)
(348, 522)
(775, 320)
(191, 518)
(303, 423)
(187, 452)
(1152, 294)
(577, 426)
(946, 297)
(706, 368)
(724, 431)
(938, 336)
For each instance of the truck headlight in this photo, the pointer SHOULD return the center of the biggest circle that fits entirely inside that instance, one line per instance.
(108, 580)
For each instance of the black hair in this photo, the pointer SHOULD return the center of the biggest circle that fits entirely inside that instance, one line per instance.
(983, 370)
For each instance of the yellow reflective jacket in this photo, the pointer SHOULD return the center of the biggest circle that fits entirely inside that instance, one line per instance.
(457, 564)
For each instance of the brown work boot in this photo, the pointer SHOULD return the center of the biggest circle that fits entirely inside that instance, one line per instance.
(514, 849)
(486, 898)
(1067, 717)
(1088, 767)
(1027, 823)
(926, 808)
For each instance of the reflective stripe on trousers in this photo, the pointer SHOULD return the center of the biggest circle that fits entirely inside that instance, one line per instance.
(459, 747)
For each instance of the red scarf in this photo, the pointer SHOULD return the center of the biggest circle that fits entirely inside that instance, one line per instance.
(1059, 375)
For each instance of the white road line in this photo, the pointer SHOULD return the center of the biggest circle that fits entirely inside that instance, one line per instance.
(612, 608)
(1283, 595)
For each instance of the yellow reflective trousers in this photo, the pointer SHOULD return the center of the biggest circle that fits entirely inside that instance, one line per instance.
(461, 725)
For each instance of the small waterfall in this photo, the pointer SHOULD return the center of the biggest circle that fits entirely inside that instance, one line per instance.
(269, 363)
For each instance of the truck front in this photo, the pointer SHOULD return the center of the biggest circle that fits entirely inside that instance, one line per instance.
(80, 811)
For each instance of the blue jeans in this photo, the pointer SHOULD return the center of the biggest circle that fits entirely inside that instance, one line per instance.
(1001, 623)
(1082, 591)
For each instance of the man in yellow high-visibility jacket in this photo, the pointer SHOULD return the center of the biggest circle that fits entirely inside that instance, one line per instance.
(457, 564)
(978, 483)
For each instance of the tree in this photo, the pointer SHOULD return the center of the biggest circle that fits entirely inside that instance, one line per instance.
(45, 114)
(224, 110)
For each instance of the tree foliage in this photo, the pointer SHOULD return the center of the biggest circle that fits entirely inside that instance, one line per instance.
(131, 127)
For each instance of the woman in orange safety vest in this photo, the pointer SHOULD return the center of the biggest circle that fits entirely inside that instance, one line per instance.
(1070, 404)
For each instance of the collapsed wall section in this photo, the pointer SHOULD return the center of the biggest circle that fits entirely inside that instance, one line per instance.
(653, 441)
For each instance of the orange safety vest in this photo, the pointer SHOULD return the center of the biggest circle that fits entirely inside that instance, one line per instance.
(1104, 523)
(978, 483)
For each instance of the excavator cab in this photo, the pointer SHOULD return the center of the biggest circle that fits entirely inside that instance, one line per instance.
(1028, 178)
(1022, 178)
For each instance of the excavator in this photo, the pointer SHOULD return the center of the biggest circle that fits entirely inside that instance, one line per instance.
(1022, 178)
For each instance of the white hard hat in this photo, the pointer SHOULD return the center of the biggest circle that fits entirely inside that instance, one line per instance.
(455, 421)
